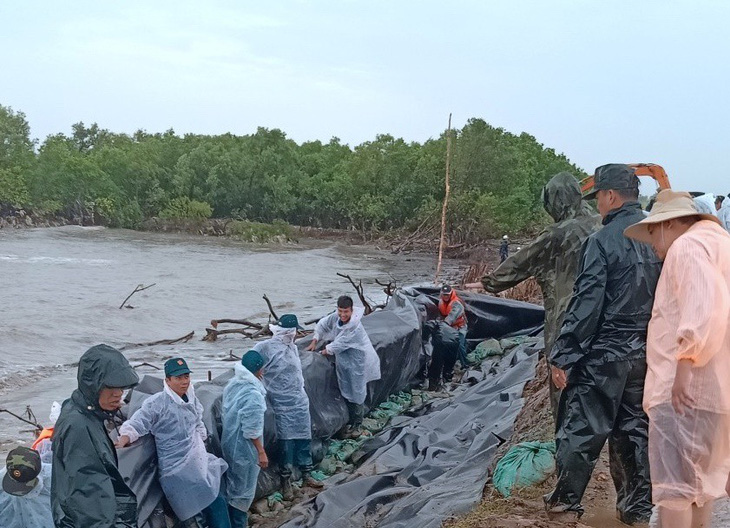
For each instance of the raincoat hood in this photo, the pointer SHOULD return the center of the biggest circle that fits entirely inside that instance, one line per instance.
(561, 197)
(103, 366)
(244, 376)
(285, 335)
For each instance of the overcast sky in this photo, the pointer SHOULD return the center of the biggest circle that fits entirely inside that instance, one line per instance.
(618, 81)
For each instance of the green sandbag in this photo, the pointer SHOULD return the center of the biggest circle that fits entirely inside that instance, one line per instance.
(524, 465)
(485, 349)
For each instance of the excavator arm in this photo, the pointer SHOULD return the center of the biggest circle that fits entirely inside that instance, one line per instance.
(642, 169)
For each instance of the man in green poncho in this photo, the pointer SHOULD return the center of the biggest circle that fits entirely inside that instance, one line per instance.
(552, 258)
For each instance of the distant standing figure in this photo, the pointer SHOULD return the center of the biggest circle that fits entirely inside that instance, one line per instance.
(504, 249)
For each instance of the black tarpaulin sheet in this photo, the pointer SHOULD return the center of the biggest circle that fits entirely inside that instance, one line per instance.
(396, 334)
(432, 466)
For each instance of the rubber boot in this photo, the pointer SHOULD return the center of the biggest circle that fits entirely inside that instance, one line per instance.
(286, 490)
(434, 385)
(309, 481)
(239, 519)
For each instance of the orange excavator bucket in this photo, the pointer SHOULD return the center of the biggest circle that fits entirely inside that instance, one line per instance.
(642, 169)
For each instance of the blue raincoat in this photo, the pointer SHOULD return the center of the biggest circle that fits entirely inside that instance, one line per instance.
(189, 475)
(32, 510)
(284, 384)
(244, 406)
(355, 358)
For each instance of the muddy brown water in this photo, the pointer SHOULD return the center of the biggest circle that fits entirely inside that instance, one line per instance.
(61, 289)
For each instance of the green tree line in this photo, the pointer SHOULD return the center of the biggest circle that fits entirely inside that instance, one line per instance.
(387, 183)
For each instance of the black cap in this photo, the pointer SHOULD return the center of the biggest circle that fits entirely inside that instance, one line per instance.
(614, 177)
(22, 469)
(445, 289)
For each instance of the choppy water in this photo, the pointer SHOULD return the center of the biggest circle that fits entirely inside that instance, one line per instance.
(61, 289)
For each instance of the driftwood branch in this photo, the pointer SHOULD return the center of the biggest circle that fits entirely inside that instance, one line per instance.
(30, 414)
(183, 339)
(212, 334)
(145, 364)
(139, 288)
(215, 322)
(413, 236)
(360, 292)
(271, 308)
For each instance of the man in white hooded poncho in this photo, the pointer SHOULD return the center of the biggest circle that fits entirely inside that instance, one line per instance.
(242, 442)
(284, 384)
(189, 475)
(356, 361)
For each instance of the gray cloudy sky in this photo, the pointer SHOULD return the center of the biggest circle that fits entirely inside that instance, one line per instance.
(618, 81)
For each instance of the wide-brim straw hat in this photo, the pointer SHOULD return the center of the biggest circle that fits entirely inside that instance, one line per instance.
(668, 205)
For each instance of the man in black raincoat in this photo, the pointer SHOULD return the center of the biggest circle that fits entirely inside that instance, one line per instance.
(87, 490)
(552, 258)
(599, 358)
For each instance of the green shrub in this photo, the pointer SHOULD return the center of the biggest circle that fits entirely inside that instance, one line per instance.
(184, 208)
(260, 233)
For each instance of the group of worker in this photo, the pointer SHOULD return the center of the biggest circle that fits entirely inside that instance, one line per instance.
(637, 309)
(83, 486)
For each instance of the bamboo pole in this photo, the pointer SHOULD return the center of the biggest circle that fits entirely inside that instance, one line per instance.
(442, 243)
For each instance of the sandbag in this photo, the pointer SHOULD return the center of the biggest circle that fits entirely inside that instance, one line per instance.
(524, 465)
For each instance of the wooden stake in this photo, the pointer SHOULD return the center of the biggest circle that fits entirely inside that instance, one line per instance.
(442, 243)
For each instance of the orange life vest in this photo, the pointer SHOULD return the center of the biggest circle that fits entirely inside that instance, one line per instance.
(445, 309)
(46, 434)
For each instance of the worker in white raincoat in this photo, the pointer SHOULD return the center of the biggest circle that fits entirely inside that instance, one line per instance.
(284, 384)
(25, 498)
(189, 475)
(244, 407)
(356, 361)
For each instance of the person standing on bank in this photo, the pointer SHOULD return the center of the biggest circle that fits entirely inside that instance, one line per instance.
(687, 394)
(189, 475)
(356, 361)
(284, 384)
(553, 258)
(599, 358)
(504, 249)
(81, 446)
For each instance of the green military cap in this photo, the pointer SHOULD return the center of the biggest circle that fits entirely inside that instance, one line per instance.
(23, 466)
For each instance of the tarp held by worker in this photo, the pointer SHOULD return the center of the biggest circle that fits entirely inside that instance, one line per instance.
(396, 334)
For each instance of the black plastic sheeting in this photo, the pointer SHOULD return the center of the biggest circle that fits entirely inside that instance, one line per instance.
(429, 467)
(397, 335)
